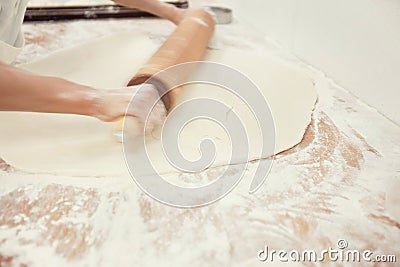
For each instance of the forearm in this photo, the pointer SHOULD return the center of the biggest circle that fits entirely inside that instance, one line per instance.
(24, 91)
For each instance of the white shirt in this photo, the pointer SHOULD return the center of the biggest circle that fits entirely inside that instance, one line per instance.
(11, 38)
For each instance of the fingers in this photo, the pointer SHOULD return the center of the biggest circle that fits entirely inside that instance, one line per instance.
(177, 15)
(141, 105)
(142, 102)
(147, 107)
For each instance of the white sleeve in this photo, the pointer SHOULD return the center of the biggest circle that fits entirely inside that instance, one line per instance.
(11, 39)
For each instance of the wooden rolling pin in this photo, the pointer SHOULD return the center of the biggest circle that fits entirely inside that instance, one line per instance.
(187, 43)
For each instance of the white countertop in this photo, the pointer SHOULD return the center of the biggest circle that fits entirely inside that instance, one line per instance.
(331, 186)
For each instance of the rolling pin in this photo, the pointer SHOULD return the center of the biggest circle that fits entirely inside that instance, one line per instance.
(187, 43)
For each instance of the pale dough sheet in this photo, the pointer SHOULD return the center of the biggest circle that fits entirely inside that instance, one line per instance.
(83, 146)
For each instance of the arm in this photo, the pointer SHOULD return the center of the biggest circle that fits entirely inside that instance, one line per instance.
(155, 7)
(23, 91)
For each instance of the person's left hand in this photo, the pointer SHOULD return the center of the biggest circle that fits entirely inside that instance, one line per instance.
(157, 8)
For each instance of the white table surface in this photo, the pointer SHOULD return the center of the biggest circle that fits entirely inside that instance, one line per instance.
(332, 185)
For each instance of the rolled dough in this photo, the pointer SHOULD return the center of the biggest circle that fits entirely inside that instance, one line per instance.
(83, 146)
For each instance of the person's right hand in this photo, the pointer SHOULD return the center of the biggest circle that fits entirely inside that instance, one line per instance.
(26, 91)
(134, 101)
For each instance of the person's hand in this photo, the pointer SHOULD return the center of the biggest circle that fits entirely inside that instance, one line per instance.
(26, 91)
(157, 8)
(174, 14)
(136, 101)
